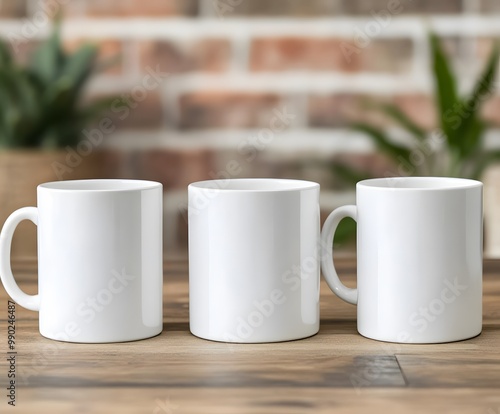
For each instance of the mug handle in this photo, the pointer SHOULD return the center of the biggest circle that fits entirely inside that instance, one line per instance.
(332, 279)
(31, 302)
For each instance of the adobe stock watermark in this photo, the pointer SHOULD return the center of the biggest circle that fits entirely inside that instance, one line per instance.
(281, 120)
(41, 18)
(420, 319)
(87, 311)
(463, 109)
(418, 156)
(223, 7)
(263, 309)
(249, 149)
(427, 314)
(363, 36)
(94, 305)
(122, 107)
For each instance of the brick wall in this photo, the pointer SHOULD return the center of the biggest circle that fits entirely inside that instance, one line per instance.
(224, 70)
(224, 66)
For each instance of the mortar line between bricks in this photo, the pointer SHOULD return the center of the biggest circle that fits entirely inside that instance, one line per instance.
(184, 28)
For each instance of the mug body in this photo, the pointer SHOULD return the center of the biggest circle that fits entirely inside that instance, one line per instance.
(100, 260)
(253, 259)
(419, 259)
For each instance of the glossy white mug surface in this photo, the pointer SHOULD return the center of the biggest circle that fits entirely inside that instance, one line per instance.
(419, 258)
(253, 259)
(99, 260)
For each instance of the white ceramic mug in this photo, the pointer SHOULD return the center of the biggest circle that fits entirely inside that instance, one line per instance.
(253, 259)
(419, 258)
(99, 260)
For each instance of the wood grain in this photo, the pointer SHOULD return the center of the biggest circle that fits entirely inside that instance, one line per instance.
(175, 372)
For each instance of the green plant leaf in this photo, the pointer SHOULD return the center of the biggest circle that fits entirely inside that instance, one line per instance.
(66, 91)
(482, 161)
(5, 55)
(40, 104)
(468, 130)
(460, 121)
(402, 119)
(26, 94)
(395, 151)
(12, 107)
(48, 58)
(472, 133)
(446, 91)
(348, 174)
(345, 233)
(96, 108)
(78, 67)
(104, 64)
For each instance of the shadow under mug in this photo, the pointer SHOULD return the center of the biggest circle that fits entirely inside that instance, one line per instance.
(99, 260)
(419, 258)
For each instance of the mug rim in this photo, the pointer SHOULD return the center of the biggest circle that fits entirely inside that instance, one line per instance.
(419, 183)
(259, 185)
(106, 185)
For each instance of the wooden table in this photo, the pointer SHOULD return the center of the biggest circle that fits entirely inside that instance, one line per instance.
(334, 371)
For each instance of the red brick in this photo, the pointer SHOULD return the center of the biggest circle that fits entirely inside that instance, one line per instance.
(452, 48)
(240, 163)
(210, 55)
(344, 109)
(451, 44)
(143, 113)
(227, 109)
(483, 49)
(23, 51)
(333, 111)
(491, 111)
(484, 46)
(414, 7)
(136, 8)
(341, 110)
(322, 8)
(387, 55)
(175, 168)
(375, 164)
(419, 108)
(489, 6)
(296, 53)
(13, 9)
(295, 8)
(110, 50)
(69, 9)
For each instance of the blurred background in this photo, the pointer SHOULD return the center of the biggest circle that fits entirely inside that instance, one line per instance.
(183, 90)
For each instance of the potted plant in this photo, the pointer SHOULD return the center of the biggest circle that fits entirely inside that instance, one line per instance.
(454, 149)
(42, 116)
